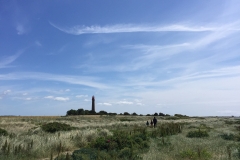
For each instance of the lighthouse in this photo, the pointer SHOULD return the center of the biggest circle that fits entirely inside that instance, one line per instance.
(93, 103)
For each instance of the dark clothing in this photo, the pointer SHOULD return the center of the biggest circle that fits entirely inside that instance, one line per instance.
(147, 123)
(154, 122)
(151, 123)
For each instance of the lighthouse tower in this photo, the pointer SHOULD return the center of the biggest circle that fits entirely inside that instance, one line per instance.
(93, 103)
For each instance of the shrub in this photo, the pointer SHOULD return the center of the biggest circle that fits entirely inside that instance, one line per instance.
(126, 119)
(238, 151)
(56, 126)
(228, 136)
(125, 153)
(171, 118)
(197, 134)
(199, 154)
(238, 128)
(188, 154)
(100, 143)
(84, 153)
(3, 132)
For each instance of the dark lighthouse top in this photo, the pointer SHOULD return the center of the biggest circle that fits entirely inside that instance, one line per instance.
(93, 103)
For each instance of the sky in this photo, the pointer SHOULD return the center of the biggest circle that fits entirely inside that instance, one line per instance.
(168, 56)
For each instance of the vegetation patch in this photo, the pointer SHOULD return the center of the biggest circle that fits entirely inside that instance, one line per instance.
(230, 137)
(197, 134)
(126, 119)
(85, 153)
(3, 132)
(232, 121)
(238, 128)
(198, 154)
(56, 126)
(171, 118)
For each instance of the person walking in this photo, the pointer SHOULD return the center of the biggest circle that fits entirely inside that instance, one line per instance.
(147, 123)
(151, 123)
(154, 122)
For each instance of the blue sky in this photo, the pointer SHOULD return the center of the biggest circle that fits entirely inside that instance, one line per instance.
(135, 56)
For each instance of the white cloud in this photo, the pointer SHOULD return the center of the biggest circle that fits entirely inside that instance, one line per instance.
(0, 97)
(6, 92)
(61, 98)
(20, 29)
(28, 99)
(81, 96)
(124, 102)
(124, 28)
(105, 104)
(49, 97)
(67, 90)
(86, 100)
(57, 98)
(24, 94)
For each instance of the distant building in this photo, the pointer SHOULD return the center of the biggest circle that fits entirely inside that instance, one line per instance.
(93, 103)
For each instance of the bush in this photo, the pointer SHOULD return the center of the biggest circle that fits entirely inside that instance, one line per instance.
(188, 154)
(238, 128)
(228, 136)
(84, 153)
(197, 134)
(198, 154)
(3, 132)
(55, 126)
(125, 153)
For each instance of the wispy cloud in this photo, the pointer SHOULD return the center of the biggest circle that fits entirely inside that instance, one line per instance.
(10, 59)
(79, 80)
(125, 28)
(21, 29)
(81, 96)
(38, 43)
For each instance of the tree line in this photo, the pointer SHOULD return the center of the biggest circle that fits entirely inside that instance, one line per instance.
(90, 112)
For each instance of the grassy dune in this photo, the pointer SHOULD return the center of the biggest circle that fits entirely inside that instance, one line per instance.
(27, 140)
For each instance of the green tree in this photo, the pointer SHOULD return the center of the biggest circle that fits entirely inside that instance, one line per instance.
(103, 113)
(80, 111)
(71, 112)
(134, 114)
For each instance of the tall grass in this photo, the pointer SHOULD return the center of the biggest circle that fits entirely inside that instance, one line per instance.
(26, 139)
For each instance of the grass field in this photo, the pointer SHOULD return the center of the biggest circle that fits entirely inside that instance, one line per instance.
(27, 140)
